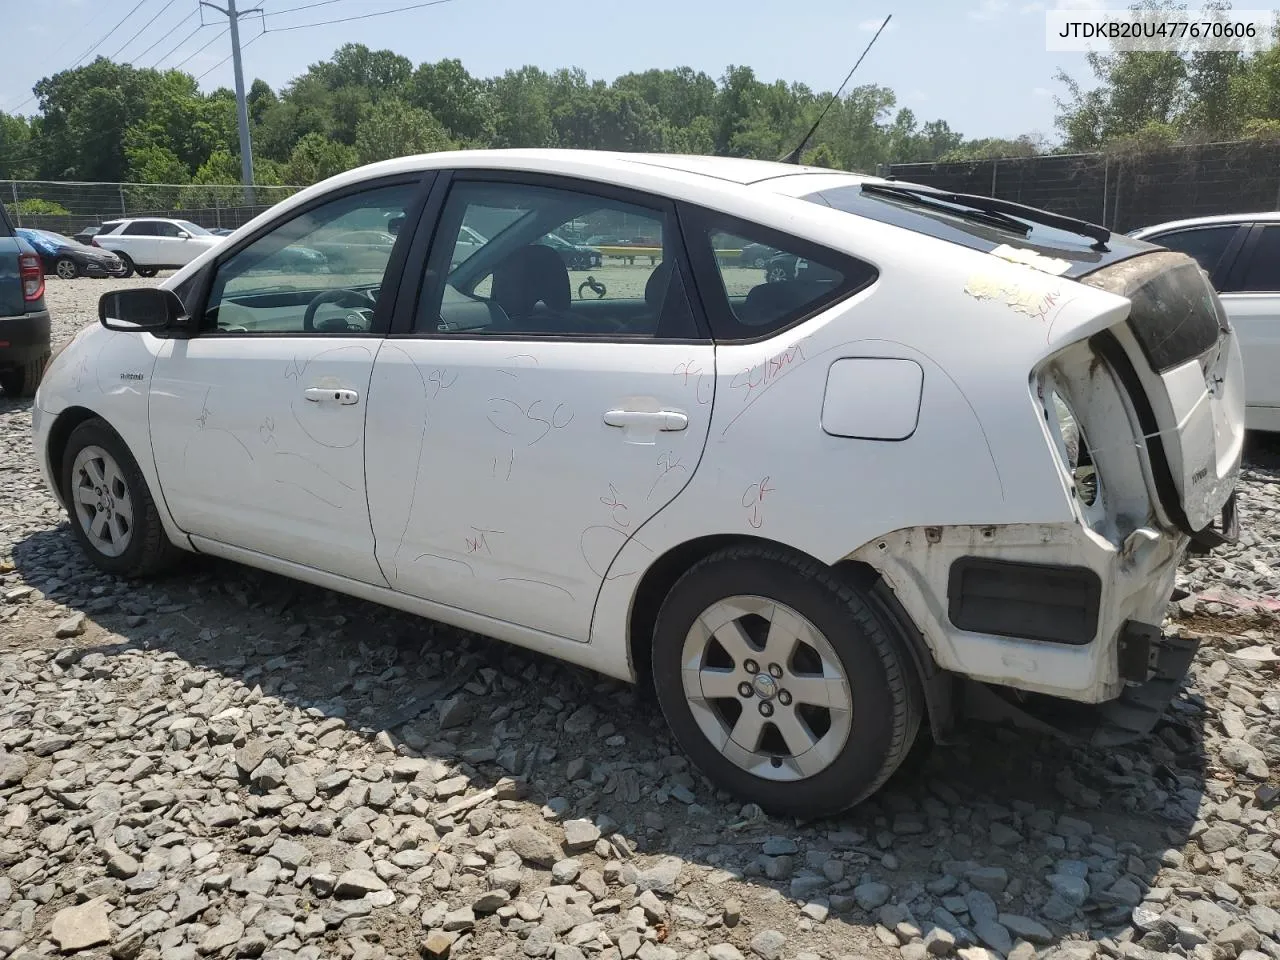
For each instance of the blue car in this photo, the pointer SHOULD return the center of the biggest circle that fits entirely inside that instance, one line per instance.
(69, 259)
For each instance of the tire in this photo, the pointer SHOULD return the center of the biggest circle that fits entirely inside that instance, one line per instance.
(22, 381)
(66, 268)
(776, 274)
(128, 266)
(138, 548)
(147, 271)
(849, 753)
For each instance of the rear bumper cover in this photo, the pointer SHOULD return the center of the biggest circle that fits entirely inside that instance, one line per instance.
(24, 337)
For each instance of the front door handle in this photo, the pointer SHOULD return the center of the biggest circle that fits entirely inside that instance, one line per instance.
(339, 395)
(664, 420)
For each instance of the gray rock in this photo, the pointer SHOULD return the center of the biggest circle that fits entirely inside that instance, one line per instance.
(1243, 757)
(218, 938)
(873, 895)
(268, 775)
(778, 846)
(580, 835)
(661, 877)
(122, 866)
(768, 944)
(357, 883)
(1003, 835)
(1026, 928)
(994, 935)
(490, 901)
(724, 951)
(290, 854)
(533, 847)
(73, 626)
(988, 879)
(13, 767)
(81, 927)
(1072, 889)
(939, 942)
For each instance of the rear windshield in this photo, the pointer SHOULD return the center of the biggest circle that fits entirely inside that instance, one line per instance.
(1048, 241)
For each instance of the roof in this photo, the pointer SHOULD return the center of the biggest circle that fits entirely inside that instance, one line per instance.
(1270, 216)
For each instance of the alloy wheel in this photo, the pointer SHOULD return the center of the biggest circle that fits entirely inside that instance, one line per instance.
(102, 501)
(767, 688)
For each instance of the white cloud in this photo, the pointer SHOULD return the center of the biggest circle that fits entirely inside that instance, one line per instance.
(989, 9)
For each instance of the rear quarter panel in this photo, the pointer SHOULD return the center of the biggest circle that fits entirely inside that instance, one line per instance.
(977, 326)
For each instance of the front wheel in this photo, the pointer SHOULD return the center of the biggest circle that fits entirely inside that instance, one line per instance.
(127, 262)
(783, 683)
(66, 268)
(148, 271)
(113, 516)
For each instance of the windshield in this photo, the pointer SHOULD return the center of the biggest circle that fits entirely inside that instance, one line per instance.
(191, 228)
(55, 237)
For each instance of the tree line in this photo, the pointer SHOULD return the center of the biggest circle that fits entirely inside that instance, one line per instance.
(107, 121)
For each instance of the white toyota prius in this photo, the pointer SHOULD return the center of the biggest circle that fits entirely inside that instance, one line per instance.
(932, 452)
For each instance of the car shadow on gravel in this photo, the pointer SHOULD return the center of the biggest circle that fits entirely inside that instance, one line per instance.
(1059, 841)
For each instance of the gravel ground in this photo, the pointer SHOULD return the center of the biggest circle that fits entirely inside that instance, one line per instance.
(225, 763)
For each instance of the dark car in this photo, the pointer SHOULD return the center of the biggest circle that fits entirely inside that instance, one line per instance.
(86, 235)
(68, 259)
(24, 319)
(575, 255)
(755, 255)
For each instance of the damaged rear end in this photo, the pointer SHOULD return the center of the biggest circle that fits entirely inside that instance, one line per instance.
(1148, 419)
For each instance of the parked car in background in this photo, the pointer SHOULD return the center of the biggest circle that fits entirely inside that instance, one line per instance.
(220, 231)
(818, 513)
(85, 235)
(69, 259)
(575, 255)
(755, 255)
(24, 319)
(151, 244)
(1241, 255)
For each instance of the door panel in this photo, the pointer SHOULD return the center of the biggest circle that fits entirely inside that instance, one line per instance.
(525, 433)
(1252, 301)
(245, 457)
(258, 423)
(495, 484)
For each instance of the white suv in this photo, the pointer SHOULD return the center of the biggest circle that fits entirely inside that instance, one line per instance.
(151, 244)
(1241, 254)
(961, 451)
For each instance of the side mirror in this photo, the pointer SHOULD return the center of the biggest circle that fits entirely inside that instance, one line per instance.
(140, 310)
(394, 225)
(183, 235)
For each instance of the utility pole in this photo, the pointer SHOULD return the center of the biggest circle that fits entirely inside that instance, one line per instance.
(242, 107)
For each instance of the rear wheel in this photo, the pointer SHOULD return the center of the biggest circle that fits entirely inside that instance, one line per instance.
(783, 683)
(66, 268)
(21, 381)
(127, 261)
(113, 516)
(147, 271)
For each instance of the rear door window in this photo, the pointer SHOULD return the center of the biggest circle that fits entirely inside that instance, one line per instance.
(1262, 274)
(758, 281)
(1205, 245)
(142, 228)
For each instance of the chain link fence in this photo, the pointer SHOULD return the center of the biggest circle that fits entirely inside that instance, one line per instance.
(67, 206)
(1122, 189)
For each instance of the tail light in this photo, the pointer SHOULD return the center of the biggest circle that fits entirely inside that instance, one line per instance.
(32, 273)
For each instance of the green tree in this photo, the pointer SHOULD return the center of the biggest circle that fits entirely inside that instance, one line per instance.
(17, 148)
(454, 97)
(316, 158)
(395, 129)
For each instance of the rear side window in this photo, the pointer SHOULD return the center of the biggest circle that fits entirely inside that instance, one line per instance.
(141, 229)
(757, 281)
(1263, 273)
(1205, 245)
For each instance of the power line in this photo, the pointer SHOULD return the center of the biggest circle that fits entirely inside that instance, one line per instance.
(144, 27)
(178, 45)
(305, 6)
(168, 33)
(258, 36)
(75, 63)
(82, 56)
(362, 16)
(178, 66)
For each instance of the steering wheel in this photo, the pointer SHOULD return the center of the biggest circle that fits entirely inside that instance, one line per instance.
(353, 298)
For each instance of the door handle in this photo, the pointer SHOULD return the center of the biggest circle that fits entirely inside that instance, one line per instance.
(339, 395)
(664, 420)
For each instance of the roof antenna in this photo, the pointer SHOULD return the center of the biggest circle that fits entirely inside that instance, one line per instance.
(794, 155)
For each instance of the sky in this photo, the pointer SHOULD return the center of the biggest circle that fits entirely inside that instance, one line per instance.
(981, 65)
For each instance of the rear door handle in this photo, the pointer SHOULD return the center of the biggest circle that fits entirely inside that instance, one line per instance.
(664, 420)
(339, 395)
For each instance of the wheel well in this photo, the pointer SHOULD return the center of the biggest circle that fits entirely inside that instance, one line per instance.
(658, 580)
(59, 433)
